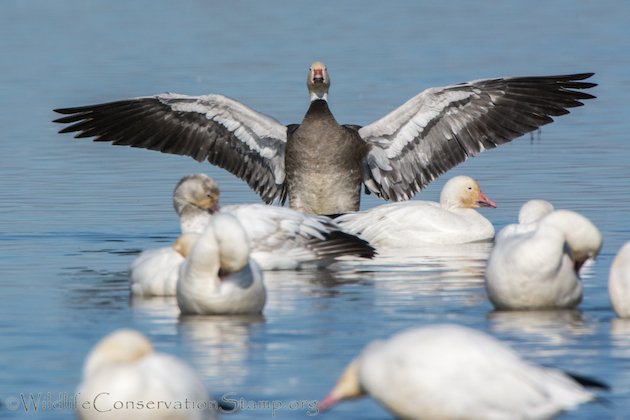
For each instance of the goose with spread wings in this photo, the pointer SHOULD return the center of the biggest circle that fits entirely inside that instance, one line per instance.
(321, 165)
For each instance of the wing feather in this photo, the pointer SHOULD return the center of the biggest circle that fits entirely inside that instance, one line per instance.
(213, 127)
(441, 127)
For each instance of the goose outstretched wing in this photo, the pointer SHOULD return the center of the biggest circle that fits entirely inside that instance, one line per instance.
(441, 127)
(224, 131)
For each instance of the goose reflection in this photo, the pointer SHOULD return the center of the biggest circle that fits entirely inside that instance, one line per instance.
(156, 307)
(462, 263)
(430, 275)
(219, 345)
(556, 327)
(620, 337)
(288, 290)
(467, 260)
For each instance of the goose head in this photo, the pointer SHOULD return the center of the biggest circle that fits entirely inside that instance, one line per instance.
(318, 81)
(347, 387)
(120, 347)
(197, 190)
(581, 235)
(463, 192)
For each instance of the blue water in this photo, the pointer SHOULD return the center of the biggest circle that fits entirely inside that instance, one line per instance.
(73, 214)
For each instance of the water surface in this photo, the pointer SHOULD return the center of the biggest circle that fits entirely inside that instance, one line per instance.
(73, 214)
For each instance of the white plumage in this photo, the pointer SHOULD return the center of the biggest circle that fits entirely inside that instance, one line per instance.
(218, 277)
(417, 223)
(536, 265)
(123, 378)
(450, 371)
(280, 238)
(619, 282)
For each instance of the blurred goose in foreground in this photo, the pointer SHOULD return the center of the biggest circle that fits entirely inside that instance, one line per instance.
(218, 277)
(619, 282)
(320, 164)
(124, 367)
(280, 238)
(537, 267)
(454, 372)
(453, 220)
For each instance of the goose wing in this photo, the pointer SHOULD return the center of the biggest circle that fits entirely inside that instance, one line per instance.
(441, 127)
(224, 131)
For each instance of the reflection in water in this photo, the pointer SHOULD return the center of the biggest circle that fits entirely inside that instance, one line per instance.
(219, 346)
(468, 260)
(620, 337)
(439, 273)
(553, 327)
(161, 311)
(285, 288)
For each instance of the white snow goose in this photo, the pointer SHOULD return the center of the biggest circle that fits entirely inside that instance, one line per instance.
(536, 265)
(280, 238)
(218, 277)
(454, 220)
(123, 375)
(619, 282)
(321, 164)
(454, 372)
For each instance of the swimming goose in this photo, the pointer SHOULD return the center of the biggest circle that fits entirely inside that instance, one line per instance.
(320, 164)
(453, 220)
(537, 267)
(454, 372)
(122, 375)
(155, 271)
(218, 277)
(619, 282)
(280, 238)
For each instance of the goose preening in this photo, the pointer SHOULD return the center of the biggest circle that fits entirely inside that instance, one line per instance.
(124, 378)
(454, 372)
(280, 238)
(319, 164)
(619, 282)
(454, 220)
(218, 277)
(536, 265)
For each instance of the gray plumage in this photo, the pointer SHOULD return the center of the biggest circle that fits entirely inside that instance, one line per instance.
(320, 164)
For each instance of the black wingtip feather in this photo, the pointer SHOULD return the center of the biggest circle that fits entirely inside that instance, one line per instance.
(588, 382)
(352, 244)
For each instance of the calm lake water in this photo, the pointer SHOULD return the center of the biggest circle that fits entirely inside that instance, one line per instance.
(73, 214)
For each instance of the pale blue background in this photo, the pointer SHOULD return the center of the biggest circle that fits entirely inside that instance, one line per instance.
(74, 213)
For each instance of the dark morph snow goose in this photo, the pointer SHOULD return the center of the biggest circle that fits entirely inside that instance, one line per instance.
(320, 164)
